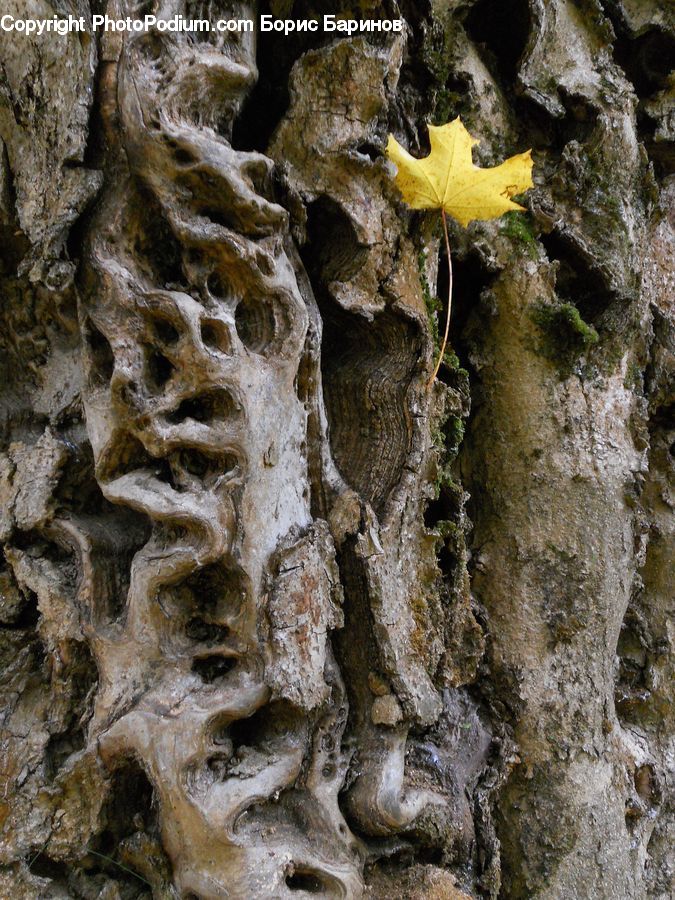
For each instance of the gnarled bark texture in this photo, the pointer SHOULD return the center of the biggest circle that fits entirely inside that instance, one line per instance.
(276, 618)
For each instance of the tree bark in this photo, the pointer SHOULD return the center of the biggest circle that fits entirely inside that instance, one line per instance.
(276, 617)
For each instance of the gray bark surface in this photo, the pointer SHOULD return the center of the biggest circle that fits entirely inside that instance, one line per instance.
(277, 619)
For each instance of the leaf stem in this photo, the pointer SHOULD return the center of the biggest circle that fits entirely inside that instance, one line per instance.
(119, 865)
(447, 318)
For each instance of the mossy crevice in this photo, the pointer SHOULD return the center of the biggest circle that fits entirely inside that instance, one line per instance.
(565, 336)
(520, 228)
(431, 301)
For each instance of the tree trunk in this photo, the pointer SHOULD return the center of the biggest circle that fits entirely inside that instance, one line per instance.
(278, 618)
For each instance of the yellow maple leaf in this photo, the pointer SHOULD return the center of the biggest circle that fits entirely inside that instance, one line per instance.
(448, 180)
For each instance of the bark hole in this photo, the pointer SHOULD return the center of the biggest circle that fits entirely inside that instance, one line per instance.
(213, 669)
(576, 280)
(276, 719)
(489, 22)
(216, 336)
(102, 360)
(367, 369)
(632, 685)
(217, 286)
(470, 278)
(255, 324)
(129, 455)
(82, 677)
(159, 368)
(647, 60)
(216, 404)
(156, 244)
(18, 607)
(304, 881)
(578, 123)
(216, 590)
(334, 251)
(274, 60)
(206, 632)
(208, 467)
(127, 848)
(164, 330)
(45, 867)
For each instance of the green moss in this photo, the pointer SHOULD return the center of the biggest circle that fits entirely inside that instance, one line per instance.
(446, 484)
(437, 433)
(519, 227)
(435, 53)
(633, 380)
(446, 106)
(447, 437)
(432, 303)
(451, 360)
(566, 336)
(454, 433)
(449, 530)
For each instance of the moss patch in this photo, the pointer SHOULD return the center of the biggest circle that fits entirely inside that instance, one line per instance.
(446, 107)
(566, 336)
(431, 301)
(447, 434)
(519, 227)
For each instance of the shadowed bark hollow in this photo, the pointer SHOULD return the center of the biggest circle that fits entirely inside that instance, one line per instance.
(276, 619)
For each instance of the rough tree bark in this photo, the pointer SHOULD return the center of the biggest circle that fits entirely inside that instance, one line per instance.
(276, 619)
